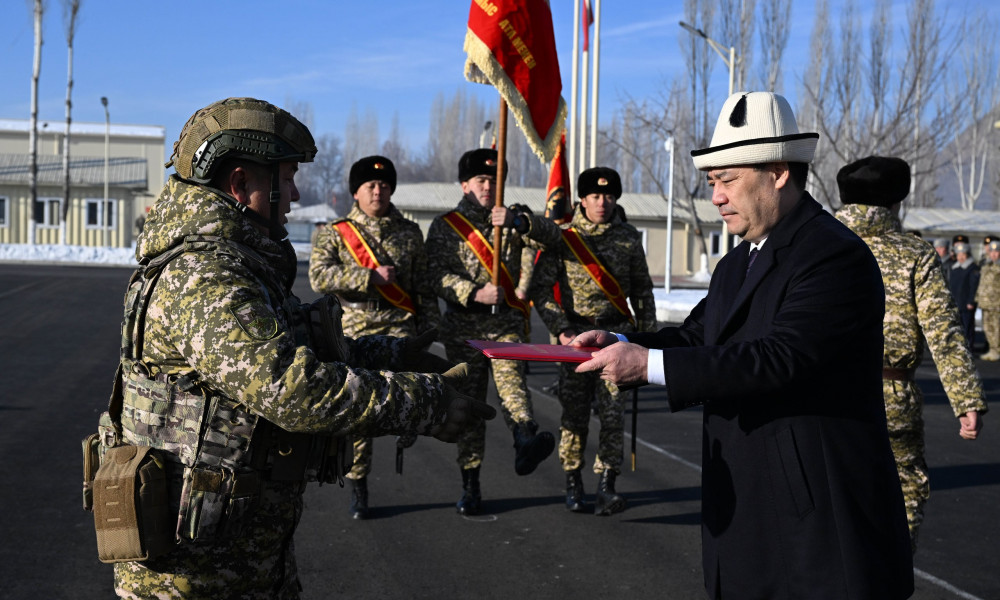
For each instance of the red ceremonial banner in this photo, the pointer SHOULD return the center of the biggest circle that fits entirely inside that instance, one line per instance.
(558, 206)
(511, 46)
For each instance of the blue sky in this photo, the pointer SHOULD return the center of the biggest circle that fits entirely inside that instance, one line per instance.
(158, 65)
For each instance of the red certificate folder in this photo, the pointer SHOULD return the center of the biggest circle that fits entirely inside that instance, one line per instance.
(532, 352)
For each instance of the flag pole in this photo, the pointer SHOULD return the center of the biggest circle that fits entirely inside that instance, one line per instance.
(572, 137)
(596, 59)
(501, 163)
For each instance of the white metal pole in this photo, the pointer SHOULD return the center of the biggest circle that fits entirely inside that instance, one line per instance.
(584, 56)
(595, 84)
(668, 268)
(726, 246)
(107, 154)
(571, 142)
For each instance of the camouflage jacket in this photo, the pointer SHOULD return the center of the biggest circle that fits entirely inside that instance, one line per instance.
(988, 293)
(454, 270)
(917, 305)
(394, 241)
(228, 327)
(618, 246)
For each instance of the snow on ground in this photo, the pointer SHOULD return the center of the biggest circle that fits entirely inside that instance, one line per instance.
(672, 307)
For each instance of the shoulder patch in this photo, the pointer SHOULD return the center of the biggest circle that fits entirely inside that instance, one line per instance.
(256, 319)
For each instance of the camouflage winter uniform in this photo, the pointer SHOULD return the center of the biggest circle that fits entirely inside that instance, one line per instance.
(918, 307)
(988, 299)
(333, 270)
(456, 273)
(618, 246)
(240, 334)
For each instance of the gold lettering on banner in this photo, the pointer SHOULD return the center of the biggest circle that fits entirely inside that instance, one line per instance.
(519, 44)
(488, 7)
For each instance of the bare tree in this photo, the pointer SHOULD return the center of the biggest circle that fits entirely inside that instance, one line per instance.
(775, 20)
(975, 86)
(36, 70)
(71, 8)
(736, 24)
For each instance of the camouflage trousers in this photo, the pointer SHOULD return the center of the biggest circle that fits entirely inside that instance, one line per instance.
(259, 564)
(904, 406)
(578, 393)
(361, 465)
(508, 375)
(991, 328)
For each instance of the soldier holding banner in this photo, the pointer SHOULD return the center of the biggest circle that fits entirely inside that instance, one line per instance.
(599, 268)
(460, 265)
(374, 262)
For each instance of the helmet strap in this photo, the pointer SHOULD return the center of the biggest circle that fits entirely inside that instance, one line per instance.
(276, 231)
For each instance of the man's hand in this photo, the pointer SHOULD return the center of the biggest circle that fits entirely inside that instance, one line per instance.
(501, 217)
(416, 358)
(594, 338)
(971, 424)
(621, 364)
(566, 336)
(464, 411)
(489, 294)
(384, 275)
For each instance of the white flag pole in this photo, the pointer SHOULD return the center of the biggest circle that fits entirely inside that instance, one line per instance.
(572, 133)
(597, 65)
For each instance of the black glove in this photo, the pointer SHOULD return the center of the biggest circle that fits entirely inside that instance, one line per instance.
(417, 359)
(464, 411)
(522, 217)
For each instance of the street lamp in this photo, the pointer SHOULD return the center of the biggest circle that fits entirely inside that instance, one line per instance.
(731, 63)
(487, 127)
(107, 153)
(668, 268)
(728, 55)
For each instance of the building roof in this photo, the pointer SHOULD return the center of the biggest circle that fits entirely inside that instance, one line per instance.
(314, 213)
(127, 172)
(442, 197)
(952, 220)
(79, 128)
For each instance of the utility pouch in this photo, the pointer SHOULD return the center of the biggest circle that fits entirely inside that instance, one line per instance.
(131, 512)
(91, 460)
(325, 329)
(216, 503)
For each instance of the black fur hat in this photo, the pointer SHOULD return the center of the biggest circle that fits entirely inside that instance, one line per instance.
(875, 181)
(372, 168)
(481, 161)
(599, 180)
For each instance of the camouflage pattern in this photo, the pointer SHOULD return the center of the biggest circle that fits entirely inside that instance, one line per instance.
(235, 329)
(988, 299)
(333, 270)
(918, 307)
(618, 246)
(455, 274)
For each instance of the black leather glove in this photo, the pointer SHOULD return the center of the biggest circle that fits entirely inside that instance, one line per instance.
(464, 411)
(417, 359)
(522, 218)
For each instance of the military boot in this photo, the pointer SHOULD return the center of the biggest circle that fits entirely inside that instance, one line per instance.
(607, 501)
(531, 447)
(574, 491)
(359, 498)
(471, 498)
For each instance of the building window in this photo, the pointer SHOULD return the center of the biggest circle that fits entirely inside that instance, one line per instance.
(94, 213)
(48, 212)
(715, 243)
(645, 236)
(4, 217)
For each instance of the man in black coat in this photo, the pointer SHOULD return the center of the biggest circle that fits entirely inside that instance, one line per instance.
(800, 496)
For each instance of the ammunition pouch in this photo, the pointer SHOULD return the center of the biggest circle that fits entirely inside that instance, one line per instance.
(325, 330)
(131, 515)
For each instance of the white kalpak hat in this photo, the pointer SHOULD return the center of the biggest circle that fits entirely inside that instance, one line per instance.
(756, 128)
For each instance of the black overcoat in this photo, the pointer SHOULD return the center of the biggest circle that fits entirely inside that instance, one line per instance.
(800, 496)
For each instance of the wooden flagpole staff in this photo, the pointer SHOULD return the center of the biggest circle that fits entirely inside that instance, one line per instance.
(501, 175)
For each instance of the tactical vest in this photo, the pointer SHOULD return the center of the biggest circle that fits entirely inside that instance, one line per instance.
(218, 453)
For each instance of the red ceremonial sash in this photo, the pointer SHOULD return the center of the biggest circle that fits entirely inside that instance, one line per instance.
(366, 258)
(600, 275)
(484, 252)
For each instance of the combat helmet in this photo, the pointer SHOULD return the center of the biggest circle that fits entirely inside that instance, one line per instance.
(244, 128)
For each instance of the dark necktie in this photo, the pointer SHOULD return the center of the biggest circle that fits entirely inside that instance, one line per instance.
(753, 257)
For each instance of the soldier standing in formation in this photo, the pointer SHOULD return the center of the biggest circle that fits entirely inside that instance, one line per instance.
(918, 307)
(963, 280)
(460, 264)
(221, 324)
(373, 261)
(988, 299)
(600, 267)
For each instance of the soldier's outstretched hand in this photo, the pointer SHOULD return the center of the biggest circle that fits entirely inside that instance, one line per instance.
(464, 411)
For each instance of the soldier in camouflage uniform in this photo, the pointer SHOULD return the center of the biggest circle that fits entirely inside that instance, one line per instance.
(222, 325)
(988, 298)
(918, 307)
(460, 276)
(617, 247)
(396, 246)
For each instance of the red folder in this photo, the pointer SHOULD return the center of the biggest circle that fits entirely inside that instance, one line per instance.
(532, 352)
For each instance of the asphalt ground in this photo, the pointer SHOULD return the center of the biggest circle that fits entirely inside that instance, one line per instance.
(59, 341)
